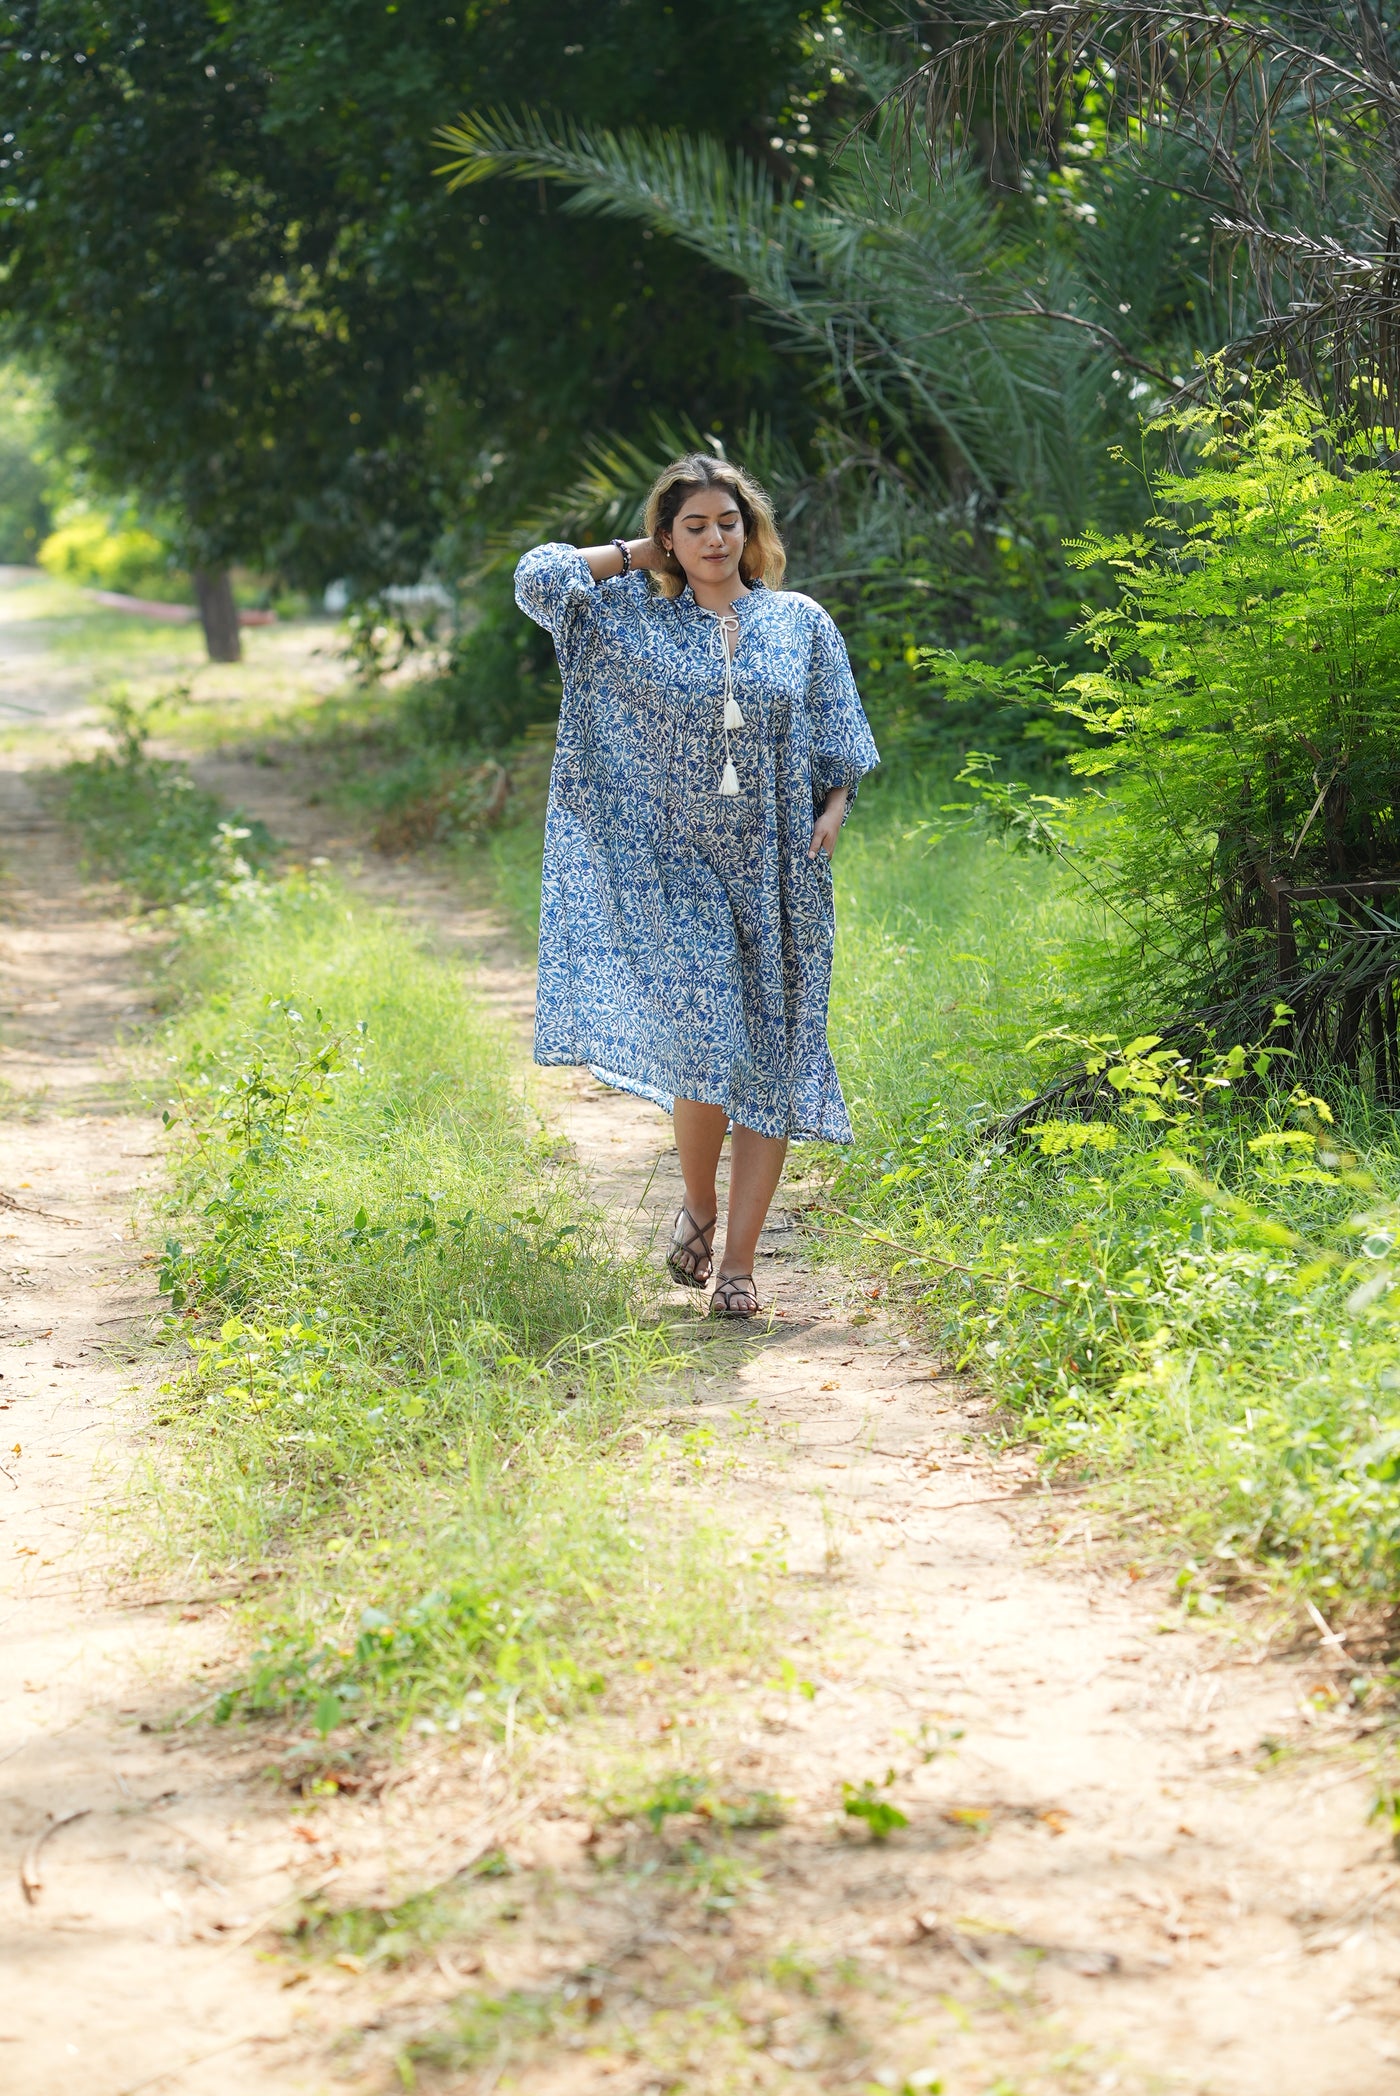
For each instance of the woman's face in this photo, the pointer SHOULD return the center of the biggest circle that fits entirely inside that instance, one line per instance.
(707, 537)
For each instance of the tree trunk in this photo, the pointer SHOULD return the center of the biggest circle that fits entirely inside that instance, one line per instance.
(218, 614)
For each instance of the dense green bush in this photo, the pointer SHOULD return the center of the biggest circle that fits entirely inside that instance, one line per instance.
(1246, 717)
(501, 677)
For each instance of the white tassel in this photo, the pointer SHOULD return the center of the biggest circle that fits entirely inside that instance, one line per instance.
(729, 784)
(733, 718)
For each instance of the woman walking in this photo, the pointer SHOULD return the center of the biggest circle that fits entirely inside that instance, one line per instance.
(710, 742)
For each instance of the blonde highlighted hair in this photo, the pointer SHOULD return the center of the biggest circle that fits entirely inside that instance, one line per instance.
(763, 558)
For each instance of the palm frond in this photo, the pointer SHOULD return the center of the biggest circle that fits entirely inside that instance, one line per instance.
(919, 312)
(1300, 106)
(1228, 81)
(725, 207)
(606, 497)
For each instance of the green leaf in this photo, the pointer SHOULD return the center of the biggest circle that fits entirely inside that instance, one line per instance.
(327, 1714)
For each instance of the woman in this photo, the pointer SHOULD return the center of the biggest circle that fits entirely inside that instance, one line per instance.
(710, 741)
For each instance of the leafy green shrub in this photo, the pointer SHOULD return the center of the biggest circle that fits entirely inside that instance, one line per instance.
(1008, 604)
(1247, 713)
(121, 556)
(501, 676)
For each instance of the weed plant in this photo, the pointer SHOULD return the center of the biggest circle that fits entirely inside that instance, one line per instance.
(145, 823)
(1196, 1297)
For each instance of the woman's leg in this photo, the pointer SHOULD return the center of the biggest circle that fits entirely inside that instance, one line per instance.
(700, 1131)
(755, 1167)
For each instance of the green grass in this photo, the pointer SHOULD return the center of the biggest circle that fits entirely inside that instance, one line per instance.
(410, 1372)
(1214, 1343)
(415, 1349)
(949, 957)
(147, 825)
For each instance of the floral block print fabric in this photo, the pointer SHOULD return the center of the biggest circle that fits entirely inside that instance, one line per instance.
(685, 936)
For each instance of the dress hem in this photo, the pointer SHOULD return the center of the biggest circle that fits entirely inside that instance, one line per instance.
(620, 1081)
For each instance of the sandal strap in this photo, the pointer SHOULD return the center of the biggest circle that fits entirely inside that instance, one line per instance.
(699, 1237)
(740, 1281)
(694, 1241)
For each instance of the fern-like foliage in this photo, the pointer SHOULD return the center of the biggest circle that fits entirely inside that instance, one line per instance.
(1247, 710)
(918, 305)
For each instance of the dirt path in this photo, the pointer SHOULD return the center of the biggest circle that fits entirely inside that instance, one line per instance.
(1108, 1881)
(1102, 1882)
(121, 1840)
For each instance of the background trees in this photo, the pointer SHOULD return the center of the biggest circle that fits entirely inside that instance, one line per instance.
(226, 240)
(222, 240)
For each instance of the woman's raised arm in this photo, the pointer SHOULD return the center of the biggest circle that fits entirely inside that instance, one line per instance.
(604, 561)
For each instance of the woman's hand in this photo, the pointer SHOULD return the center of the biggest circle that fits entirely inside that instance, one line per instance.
(827, 827)
(646, 554)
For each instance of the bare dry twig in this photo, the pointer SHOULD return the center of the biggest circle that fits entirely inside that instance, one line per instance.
(30, 1882)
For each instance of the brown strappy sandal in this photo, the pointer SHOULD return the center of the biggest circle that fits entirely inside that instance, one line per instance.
(697, 1240)
(727, 1287)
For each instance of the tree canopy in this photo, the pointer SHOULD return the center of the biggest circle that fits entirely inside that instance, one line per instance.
(222, 238)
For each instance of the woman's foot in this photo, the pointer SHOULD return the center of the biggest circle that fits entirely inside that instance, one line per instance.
(734, 1296)
(691, 1257)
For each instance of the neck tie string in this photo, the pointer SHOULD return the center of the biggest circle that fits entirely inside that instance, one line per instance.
(725, 624)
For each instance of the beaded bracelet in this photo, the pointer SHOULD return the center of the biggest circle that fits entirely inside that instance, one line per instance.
(622, 547)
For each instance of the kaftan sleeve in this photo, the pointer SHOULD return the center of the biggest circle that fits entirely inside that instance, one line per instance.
(554, 586)
(843, 748)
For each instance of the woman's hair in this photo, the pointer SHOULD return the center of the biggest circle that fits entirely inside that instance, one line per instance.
(763, 558)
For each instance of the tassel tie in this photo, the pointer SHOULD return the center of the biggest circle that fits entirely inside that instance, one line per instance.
(733, 718)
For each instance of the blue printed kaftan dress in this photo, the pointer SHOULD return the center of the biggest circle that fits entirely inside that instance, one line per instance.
(686, 937)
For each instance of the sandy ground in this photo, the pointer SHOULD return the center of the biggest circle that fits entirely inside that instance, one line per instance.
(1106, 1879)
(38, 683)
